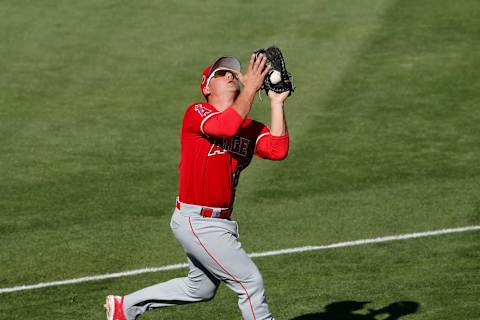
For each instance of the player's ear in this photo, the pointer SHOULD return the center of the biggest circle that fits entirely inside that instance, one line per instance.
(206, 91)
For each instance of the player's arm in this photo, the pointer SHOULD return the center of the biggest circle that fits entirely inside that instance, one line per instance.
(222, 124)
(278, 120)
(274, 144)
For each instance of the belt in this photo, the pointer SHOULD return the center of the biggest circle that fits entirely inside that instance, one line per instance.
(207, 212)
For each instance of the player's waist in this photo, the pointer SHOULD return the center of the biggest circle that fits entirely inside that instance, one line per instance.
(203, 211)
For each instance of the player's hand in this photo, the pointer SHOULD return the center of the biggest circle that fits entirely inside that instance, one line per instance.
(277, 98)
(256, 72)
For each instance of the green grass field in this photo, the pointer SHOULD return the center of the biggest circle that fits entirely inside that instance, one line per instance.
(385, 140)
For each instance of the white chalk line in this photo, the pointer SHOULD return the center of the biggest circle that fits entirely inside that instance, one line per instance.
(252, 255)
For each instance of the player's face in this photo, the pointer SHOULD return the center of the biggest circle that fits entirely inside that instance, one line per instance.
(224, 81)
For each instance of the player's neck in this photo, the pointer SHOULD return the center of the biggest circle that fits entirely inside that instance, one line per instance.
(220, 103)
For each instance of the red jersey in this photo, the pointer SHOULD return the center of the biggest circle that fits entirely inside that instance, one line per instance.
(215, 148)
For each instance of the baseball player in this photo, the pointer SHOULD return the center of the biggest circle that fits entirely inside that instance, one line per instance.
(218, 141)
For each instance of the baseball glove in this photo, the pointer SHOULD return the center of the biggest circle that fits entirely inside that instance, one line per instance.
(279, 79)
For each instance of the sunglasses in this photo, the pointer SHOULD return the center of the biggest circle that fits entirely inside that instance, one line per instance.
(222, 73)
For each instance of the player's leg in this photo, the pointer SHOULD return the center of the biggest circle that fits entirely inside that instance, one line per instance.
(216, 247)
(250, 289)
(199, 285)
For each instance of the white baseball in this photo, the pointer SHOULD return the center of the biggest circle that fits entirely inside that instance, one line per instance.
(275, 77)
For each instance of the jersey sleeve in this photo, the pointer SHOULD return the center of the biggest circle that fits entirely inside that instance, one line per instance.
(222, 124)
(194, 115)
(271, 147)
(203, 118)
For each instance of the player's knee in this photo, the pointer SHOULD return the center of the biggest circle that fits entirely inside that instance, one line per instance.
(207, 292)
(201, 291)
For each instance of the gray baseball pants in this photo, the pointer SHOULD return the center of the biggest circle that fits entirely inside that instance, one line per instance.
(214, 254)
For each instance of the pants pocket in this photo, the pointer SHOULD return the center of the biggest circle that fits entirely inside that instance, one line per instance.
(173, 223)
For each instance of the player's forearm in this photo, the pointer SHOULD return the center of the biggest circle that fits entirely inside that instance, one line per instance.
(244, 101)
(278, 121)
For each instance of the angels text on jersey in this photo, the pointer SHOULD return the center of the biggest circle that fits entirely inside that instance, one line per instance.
(237, 145)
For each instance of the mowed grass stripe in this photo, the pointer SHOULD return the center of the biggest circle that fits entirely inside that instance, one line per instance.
(253, 255)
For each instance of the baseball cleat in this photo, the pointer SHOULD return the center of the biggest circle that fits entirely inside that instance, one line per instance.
(114, 308)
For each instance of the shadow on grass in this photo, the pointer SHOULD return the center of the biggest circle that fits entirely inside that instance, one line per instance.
(352, 310)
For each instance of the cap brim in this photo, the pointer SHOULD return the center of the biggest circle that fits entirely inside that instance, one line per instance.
(224, 63)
